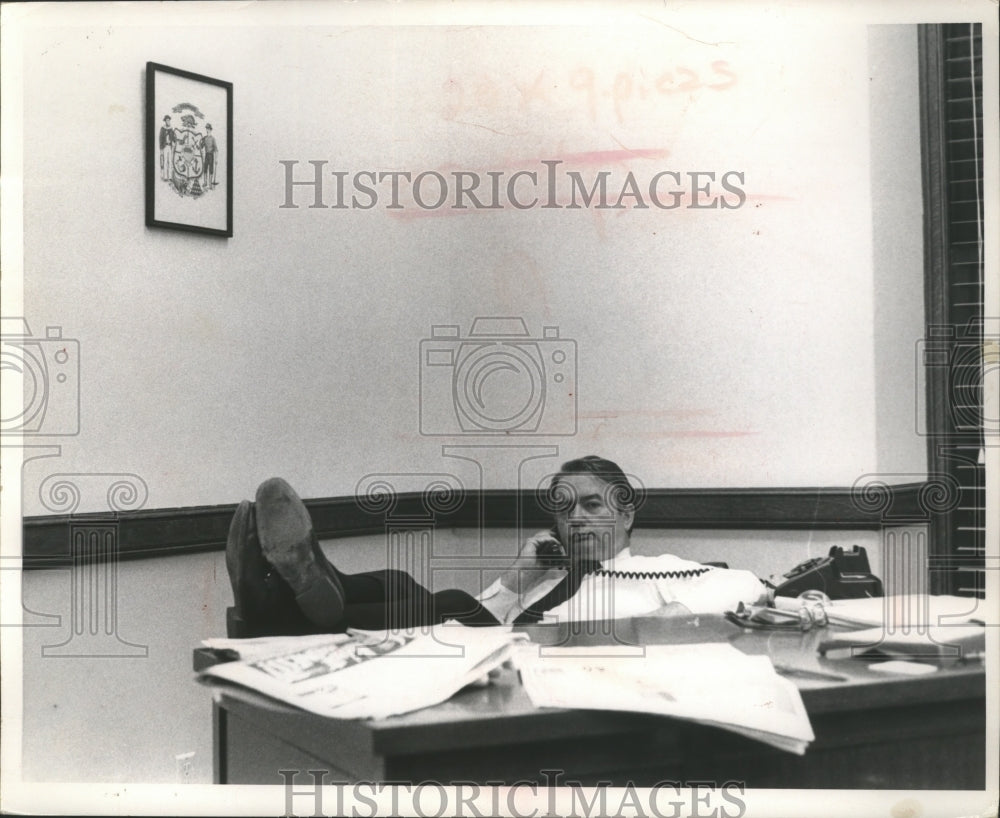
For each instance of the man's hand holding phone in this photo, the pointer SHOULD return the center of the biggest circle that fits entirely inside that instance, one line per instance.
(540, 552)
(549, 552)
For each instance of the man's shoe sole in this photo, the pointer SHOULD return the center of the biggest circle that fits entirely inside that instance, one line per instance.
(287, 541)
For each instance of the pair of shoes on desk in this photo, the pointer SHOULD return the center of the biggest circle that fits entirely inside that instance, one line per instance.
(282, 582)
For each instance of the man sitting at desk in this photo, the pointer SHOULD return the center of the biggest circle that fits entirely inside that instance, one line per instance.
(581, 569)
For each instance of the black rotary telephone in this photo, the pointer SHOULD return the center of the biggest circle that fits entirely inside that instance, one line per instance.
(840, 575)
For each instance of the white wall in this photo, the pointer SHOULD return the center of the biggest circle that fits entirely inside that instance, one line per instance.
(897, 251)
(716, 347)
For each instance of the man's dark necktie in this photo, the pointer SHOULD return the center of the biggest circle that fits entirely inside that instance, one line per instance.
(558, 595)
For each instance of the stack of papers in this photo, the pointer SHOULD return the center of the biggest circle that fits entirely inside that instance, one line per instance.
(963, 642)
(365, 674)
(713, 684)
(902, 610)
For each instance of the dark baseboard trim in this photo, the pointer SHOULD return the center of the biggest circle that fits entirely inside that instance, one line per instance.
(61, 540)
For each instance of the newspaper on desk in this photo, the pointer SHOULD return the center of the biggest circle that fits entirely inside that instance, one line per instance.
(365, 674)
(713, 684)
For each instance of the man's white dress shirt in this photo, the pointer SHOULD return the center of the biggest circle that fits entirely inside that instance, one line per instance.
(616, 597)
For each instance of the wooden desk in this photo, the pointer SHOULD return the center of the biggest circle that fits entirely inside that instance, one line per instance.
(872, 731)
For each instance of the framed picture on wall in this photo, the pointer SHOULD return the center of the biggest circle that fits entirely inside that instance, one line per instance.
(189, 151)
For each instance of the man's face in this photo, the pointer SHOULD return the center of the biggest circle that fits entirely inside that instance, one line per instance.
(591, 525)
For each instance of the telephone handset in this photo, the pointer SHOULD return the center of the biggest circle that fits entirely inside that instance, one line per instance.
(551, 553)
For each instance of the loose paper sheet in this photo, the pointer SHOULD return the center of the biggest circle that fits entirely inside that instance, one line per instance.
(709, 683)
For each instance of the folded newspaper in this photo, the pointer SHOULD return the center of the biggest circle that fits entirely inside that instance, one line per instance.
(713, 684)
(365, 674)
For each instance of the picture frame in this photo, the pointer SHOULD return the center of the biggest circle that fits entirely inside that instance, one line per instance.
(189, 151)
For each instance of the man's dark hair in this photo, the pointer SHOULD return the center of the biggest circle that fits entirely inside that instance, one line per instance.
(621, 492)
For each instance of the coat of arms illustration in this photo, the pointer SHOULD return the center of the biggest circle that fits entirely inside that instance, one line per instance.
(189, 152)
